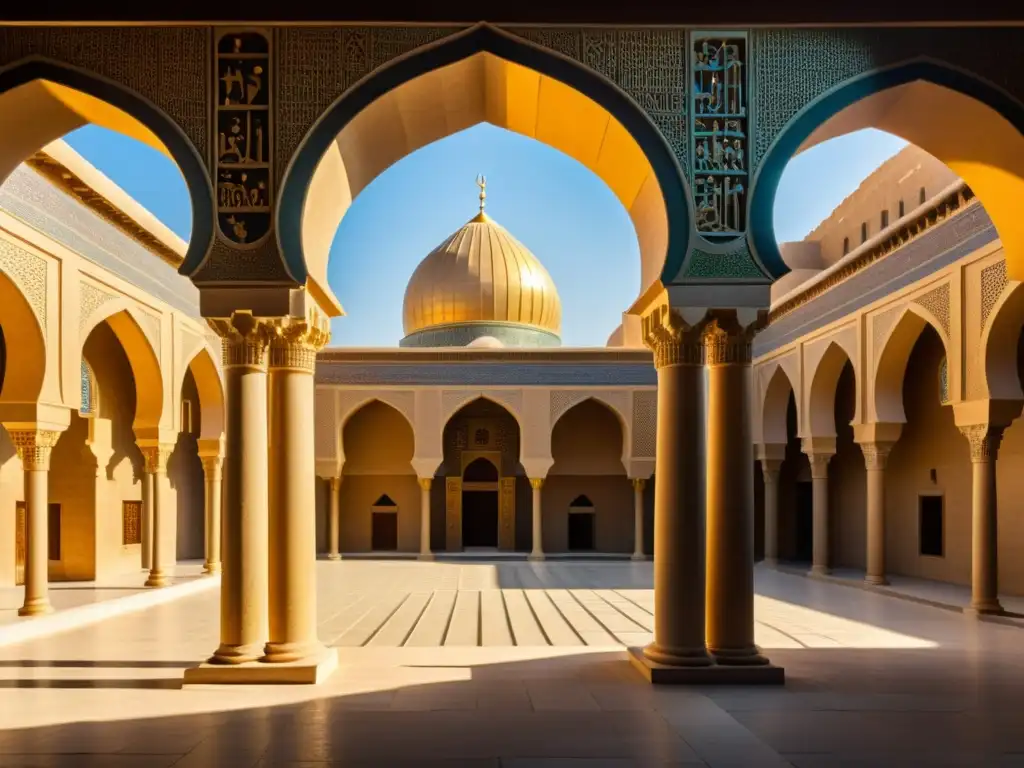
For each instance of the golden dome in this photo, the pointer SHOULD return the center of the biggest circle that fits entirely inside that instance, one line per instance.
(481, 274)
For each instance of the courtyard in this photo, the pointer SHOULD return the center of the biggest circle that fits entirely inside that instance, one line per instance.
(523, 664)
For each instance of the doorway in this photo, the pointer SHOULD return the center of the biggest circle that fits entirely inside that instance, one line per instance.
(480, 505)
(581, 525)
(804, 522)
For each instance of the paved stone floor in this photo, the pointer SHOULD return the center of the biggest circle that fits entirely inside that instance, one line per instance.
(522, 664)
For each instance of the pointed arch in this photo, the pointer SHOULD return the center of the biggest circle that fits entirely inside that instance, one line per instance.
(24, 346)
(481, 470)
(999, 339)
(606, 406)
(968, 123)
(821, 398)
(361, 406)
(775, 406)
(52, 99)
(211, 393)
(598, 124)
(471, 398)
(887, 387)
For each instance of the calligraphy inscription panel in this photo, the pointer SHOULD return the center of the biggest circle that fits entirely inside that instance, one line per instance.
(243, 146)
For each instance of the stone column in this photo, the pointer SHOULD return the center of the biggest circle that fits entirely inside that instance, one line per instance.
(730, 494)
(679, 495)
(819, 481)
(34, 448)
(156, 457)
(425, 553)
(243, 589)
(334, 520)
(875, 457)
(292, 480)
(770, 469)
(985, 440)
(146, 524)
(212, 472)
(536, 483)
(639, 484)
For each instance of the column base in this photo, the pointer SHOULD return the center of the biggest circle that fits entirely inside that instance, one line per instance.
(771, 562)
(425, 556)
(746, 657)
(211, 569)
(714, 674)
(536, 557)
(820, 570)
(309, 671)
(334, 556)
(993, 608)
(876, 581)
(158, 579)
(37, 607)
(698, 657)
(638, 556)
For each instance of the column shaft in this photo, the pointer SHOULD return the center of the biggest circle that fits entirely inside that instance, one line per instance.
(34, 448)
(537, 553)
(985, 440)
(292, 496)
(730, 500)
(679, 498)
(638, 518)
(243, 589)
(212, 473)
(770, 472)
(156, 467)
(820, 523)
(334, 520)
(147, 519)
(875, 456)
(425, 553)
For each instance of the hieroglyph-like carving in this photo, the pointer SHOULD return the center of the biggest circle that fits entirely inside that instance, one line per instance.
(719, 133)
(984, 440)
(243, 143)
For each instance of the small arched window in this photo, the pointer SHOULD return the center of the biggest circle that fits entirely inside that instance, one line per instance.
(923, 196)
(480, 471)
(903, 210)
(846, 245)
(864, 232)
(884, 219)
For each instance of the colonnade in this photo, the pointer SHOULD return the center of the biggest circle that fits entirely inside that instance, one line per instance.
(876, 441)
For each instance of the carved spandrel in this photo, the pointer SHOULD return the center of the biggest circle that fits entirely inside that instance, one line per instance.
(244, 142)
(719, 134)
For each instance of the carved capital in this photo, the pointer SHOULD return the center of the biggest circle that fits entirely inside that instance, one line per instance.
(819, 464)
(426, 482)
(34, 447)
(984, 440)
(770, 469)
(726, 341)
(875, 455)
(335, 484)
(244, 339)
(157, 456)
(536, 483)
(212, 466)
(294, 343)
(639, 483)
(673, 341)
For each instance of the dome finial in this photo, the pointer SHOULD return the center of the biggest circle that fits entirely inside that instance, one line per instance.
(481, 181)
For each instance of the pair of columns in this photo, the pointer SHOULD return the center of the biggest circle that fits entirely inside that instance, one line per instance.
(984, 440)
(268, 585)
(704, 504)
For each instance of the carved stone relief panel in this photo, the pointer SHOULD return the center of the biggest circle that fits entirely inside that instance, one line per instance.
(645, 423)
(28, 272)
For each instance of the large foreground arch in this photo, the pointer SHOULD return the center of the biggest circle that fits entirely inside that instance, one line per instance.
(483, 75)
(52, 99)
(971, 125)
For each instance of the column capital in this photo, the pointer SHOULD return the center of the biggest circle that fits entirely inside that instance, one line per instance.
(770, 468)
(819, 464)
(536, 482)
(984, 440)
(34, 447)
(212, 464)
(726, 340)
(157, 456)
(335, 483)
(639, 483)
(672, 339)
(876, 454)
(244, 339)
(425, 482)
(295, 342)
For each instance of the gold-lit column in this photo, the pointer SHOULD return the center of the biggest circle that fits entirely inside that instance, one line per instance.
(156, 457)
(292, 481)
(770, 470)
(985, 440)
(536, 483)
(639, 484)
(243, 588)
(146, 524)
(679, 494)
(34, 448)
(730, 494)
(425, 553)
(334, 521)
(875, 457)
(212, 472)
(819, 460)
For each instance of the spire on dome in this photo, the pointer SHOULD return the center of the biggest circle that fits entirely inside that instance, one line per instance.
(481, 181)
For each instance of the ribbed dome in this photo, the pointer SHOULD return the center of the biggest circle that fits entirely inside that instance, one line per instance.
(481, 274)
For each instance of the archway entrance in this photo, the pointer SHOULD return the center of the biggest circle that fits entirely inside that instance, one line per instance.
(480, 505)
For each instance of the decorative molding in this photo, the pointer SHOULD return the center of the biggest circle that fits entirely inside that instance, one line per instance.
(727, 346)
(294, 345)
(936, 301)
(28, 272)
(463, 355)
(993, 282)
(671, 339)
(645, 424)
(952, 204)
(244, 340)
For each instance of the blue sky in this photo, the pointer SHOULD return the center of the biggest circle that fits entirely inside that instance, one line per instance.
(557, 208)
